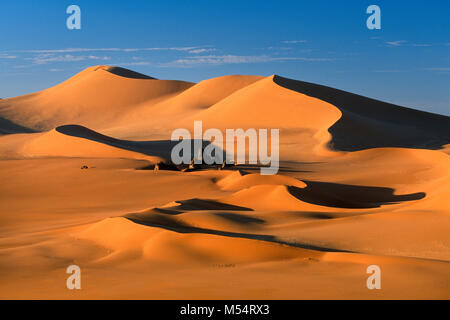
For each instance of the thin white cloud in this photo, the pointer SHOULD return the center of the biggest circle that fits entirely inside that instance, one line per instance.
(234, 59)
(389, 71)
(7, 56)
(279, 48)
(48, 58)
(302, 59)
(396, 43)
(78, 50)
(73, 50)
(202, 50)
(293, 41)
(214, 59)
(137, 63)
(439, 69)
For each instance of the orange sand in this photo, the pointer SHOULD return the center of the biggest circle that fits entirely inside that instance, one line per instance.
(361, 182)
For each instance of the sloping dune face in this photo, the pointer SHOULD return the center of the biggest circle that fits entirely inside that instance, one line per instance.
(82, 143)
(165, 115)
(265, 104)
(96, 97)
(360, 182)
(303, 120)
(208, 92)
(379, 124)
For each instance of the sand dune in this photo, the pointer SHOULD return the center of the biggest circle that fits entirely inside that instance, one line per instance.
(77, 141)
(361, 182)
(205, 94)
(379, 124)
(291, 109)
(239, 180)
(95, 97)
(193, 247)
(150, 118)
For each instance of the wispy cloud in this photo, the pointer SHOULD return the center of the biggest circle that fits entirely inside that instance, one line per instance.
(135, 63)
(396, 43)
(306, 59)
(234, 59)
(214, 59)
(202, 50)
(441, 70)
(421, 45)
(279, 48)
(48, 58)
(389, 71)
(7, 56)
(75, 50)
(188, 56)
(78, 50)
(293, 41)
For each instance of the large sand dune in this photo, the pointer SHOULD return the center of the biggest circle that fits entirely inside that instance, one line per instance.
(361, 182)
(95, 97)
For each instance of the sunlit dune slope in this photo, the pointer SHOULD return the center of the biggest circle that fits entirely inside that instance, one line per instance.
(125, 104)
(96, 97)
(152, 118)
(77, 141)
(122, 236)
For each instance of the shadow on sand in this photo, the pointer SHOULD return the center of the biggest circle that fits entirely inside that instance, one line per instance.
(121, 72)
(349, 196)
(159, 148)
(367, 123)
(9, 127)
(172, 224)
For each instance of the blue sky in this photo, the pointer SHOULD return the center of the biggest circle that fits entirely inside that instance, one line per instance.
(407, 62)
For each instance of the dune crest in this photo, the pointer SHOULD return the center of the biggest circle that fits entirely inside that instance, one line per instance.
(96, 97)
(372, 124)
(63, 142)
(237, 181)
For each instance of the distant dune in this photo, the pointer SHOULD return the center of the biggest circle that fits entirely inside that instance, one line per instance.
(94, 97)
(361, 182)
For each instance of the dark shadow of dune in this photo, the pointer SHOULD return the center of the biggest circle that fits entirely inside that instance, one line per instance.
(203, 204)
(169, 211)
(316, 215)
(122, 72)
(159, 148)
(239, 218)
(255, 168)
(9, 127)
(175, 225)
(194, 205)
(368, 123)
(349, 196)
